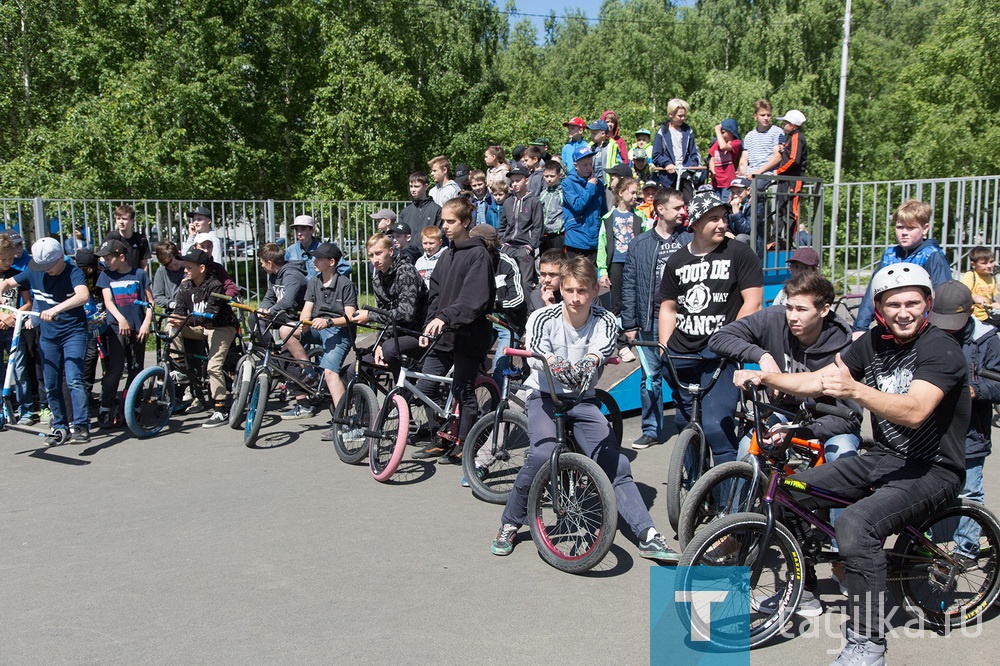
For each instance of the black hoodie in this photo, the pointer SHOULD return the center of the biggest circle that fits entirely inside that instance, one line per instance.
(767, 332)
(419, 214)
(462, 291)
(286, 289)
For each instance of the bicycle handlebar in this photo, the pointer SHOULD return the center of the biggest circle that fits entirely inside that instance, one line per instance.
(836, 410)
(989, 374)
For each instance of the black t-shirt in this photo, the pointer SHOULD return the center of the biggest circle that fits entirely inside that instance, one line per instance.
(331, 301)
(707, 291)
(934, 357)
(11, 297)
(138, 246)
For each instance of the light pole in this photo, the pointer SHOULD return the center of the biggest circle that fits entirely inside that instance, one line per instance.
(838, 151)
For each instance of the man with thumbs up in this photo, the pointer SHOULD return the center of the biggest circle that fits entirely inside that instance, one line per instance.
(912, 377)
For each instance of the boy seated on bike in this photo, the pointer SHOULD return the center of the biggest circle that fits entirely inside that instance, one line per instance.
(912, 377)
(331, 300)
(577, 337)
(195, 296)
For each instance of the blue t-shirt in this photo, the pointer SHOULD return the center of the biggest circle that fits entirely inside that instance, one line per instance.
(50, 290)
(126, 289)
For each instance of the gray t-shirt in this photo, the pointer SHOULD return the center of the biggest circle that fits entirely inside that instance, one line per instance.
(550, 334)
(330, 301)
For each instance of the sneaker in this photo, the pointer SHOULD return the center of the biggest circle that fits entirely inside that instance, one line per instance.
(435, 450)
(809, 605)
(967, 562)
(838, 572)
(45, 415)
(28, 419)
(57, 437)
(178, 378)
(464, 482)
(215, 420)
(299, 411)
(644, 442)
(626, 355)
(104, 420)
(860, 651)
(504, 543)
(195, 406)
(454, 457)
(657, 549)
(78, 435)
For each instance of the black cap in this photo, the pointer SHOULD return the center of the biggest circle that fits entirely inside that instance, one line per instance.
(400, 228)
(111, 246)
(196, 256)
(462, 171)
(518, 152)
(518, 170)
(620, 169)
(84, 258)
(201, 210)
(328, 251)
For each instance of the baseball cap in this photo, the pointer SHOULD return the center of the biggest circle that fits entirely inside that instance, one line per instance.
(462, 171)
(575, 121)
(383, 214)
(111, 246)
(518, 170)
(45, 253)
(643, 131)
(328, 251)
(702, 203)
(952, 305)
(400, 228)
(650, 183)
(740, 181)
(805, 255)
(84, 258)
(581, 152)
(196, 256)
(640, 154)
(794, 117)
(201, 210)
(484, 231)
(304, 221)
(599, 125)
(15, 237)
(539, 142)
(621, 169)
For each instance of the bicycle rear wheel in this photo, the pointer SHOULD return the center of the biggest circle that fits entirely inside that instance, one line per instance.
(387, 441)
(149, 402)
(737, 541)
(577, 540)
(355, 414)
(683, 471)
(612, 412)
(256, 406)
(721, 491)
(487, 394)
(492, 456)
(242, 382)
(939, 592)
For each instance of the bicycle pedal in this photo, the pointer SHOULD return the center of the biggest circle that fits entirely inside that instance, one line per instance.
(446, 436)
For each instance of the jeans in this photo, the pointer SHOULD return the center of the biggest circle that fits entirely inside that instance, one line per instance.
(595, 440)
(718, 406)
(651, 386)
(22, 391)
(904, 491)
(62, 362)
(967, 534)
(500, 361)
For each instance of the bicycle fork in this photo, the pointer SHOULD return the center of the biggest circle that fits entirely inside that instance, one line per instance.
(558, 506)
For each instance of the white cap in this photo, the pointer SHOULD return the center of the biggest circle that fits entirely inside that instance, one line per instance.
(203, 237)
(794, 117)
(304, 221)
(45, 253)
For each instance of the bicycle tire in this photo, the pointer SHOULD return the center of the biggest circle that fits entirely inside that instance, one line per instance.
(614, 414)
(679, 479)
(487, 394)
(734, 541)
(149, 402)
(579, 540)
(491, 470)
(242, 381)
(716, 495)
(387, 442)
(355, 411)
(256, 406)
(911, 570)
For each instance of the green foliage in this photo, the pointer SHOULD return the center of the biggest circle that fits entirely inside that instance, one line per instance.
(334, 99)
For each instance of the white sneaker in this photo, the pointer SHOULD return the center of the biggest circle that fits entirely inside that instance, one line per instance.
(860, 651)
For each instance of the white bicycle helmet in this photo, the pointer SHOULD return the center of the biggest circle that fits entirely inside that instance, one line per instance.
(895, 276)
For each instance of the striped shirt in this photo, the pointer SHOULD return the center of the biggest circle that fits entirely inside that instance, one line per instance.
(759, 146)
(550, 334)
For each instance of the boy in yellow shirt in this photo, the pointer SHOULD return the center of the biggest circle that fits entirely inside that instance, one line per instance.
(982, 283)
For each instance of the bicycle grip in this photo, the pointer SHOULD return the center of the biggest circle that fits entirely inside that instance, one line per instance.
(989, 374)
(221, 297)
(614, 360)
(511, 351)
(378, 311)
(836, 410)
(203, 315)
(144, 304)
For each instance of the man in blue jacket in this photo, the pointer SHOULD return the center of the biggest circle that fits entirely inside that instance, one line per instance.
(583, 204)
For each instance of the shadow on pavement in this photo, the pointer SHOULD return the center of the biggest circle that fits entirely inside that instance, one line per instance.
(412, 471)
(617, 562)
(46, 454)
(275, 440)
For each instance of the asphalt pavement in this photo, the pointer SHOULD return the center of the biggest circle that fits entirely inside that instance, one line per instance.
(190, 548)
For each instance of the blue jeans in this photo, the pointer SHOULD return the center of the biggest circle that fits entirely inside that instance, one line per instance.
(651, 386)
(500, 361)
(595, 439)
(968, 533)
(22, 391)
(62, 362)
(718, 406)
(336, 343)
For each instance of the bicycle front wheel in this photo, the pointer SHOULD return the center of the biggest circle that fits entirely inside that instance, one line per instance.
(574, 532)
(388, 437)
(493, 454)
(721, 491)
(943, 593)
(355, 415)
(609, 406)
(773, 593)
(149, 402)
(487, 394)
(256, 406)
(683, 471)
(242, 382)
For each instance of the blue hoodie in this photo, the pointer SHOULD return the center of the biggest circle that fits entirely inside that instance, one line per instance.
(582, 205)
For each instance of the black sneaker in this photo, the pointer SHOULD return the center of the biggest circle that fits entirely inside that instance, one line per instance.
(104, 420)
(79, 435)
(435, 450)
(644, 442)
(57, 437)
(215, 420)
(454, 457)
(657, 549)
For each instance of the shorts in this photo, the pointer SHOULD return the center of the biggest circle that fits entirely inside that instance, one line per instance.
(335, 342)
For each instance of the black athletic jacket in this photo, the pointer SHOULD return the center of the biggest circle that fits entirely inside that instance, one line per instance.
(463, 288)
